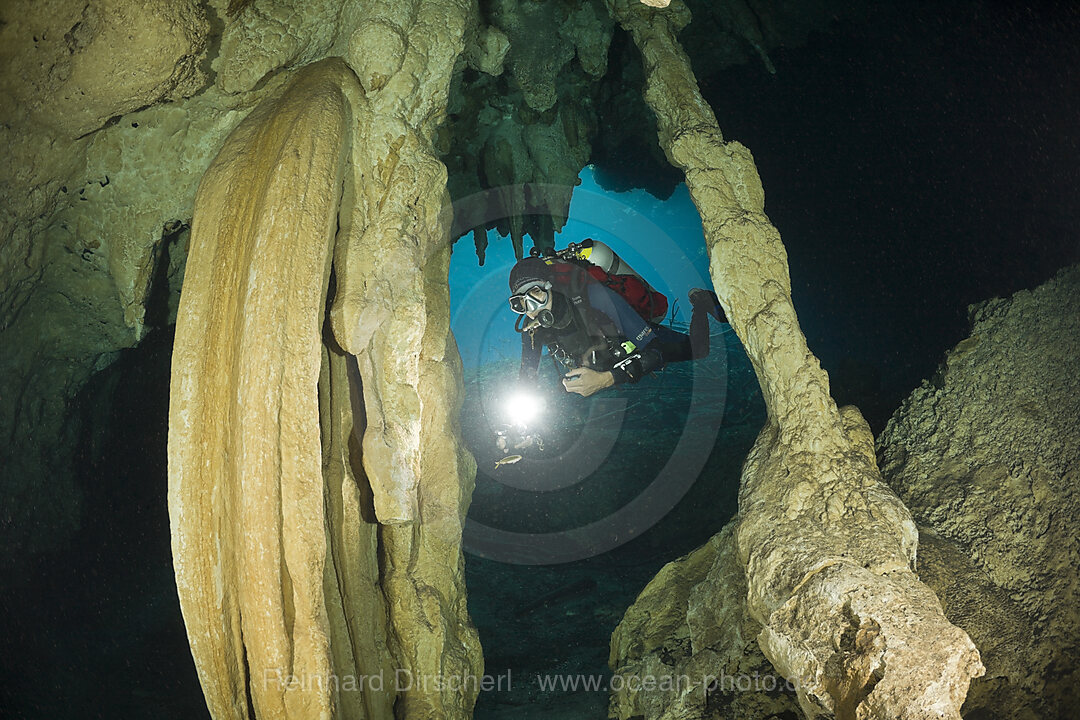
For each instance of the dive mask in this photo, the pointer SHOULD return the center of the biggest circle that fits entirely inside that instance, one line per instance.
(531, 300)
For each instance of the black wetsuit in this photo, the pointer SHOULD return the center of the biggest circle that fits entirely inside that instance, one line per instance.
(602, 332)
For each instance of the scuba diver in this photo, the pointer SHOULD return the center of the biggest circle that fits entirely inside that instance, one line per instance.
(577, 302)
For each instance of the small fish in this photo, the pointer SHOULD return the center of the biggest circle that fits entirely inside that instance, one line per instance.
(508, 460)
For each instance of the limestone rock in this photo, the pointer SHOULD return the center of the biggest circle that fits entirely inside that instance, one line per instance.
(84, 266)
(273, 34)
(987, 455)
(487, 50)
(829, 549)
(72, 66)
(589, 28)
(535, 56)
(512, 168)
(1016, 661)
(689, 634)
(284, 569)
(691, 623)
(374, 190)
(246, 494)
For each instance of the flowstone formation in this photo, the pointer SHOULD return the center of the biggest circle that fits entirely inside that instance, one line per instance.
(549, 87)
(524, 125)
(829, 550)
(987, 455)
(303, 558)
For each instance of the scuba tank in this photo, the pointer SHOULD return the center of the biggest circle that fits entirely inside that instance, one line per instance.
(599, 254)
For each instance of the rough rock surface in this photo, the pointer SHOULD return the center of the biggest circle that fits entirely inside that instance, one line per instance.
(988, 456)
(268, 35)
(1004, 634)
(993, 490)
(829, 549)
(523, 128)
(82, 218)
(689, 634)
(62, 82)
(690, 628)
(285, 566)
(61, 59)
(391, 309)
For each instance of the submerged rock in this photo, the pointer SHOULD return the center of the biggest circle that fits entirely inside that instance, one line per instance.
(828, 549)
(686, 647)
(988, 456)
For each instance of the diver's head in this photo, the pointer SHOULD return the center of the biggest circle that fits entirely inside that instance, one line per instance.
(533, 301)
(529, 271)
(532, 294)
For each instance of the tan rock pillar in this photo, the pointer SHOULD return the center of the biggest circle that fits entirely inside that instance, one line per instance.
(828, 548)
(306, 563)
(392, 311)
(246, 489)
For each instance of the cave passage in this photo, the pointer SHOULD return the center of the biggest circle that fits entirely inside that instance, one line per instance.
(545, 613)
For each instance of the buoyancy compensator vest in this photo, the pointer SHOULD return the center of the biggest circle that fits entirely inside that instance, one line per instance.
(604, 265)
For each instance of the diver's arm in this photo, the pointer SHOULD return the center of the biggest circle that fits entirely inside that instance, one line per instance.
(586, 381)
(638, 355)
(628, 368)
(636, 365)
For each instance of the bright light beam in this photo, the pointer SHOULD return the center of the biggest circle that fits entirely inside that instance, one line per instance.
(522, 408)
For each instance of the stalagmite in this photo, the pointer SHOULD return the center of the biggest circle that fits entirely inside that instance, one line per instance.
(306, 560)
(828, 549)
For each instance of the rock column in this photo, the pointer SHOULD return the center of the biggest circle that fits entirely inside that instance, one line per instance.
(310, 562)
(392, 310)
(828, 548)
(246, 491)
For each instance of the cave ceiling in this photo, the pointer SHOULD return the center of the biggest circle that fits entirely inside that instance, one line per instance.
(567, 93)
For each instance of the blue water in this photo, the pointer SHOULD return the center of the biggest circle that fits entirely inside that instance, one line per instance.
(661, 240)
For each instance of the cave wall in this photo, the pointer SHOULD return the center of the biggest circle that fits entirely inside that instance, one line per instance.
(108, 131)
(78, 202)
(93, 199)
(986, 455)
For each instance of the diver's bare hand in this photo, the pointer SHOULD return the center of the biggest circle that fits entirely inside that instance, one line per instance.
(585, 381)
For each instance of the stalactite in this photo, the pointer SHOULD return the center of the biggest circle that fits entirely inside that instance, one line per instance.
(303, 559)
(246, 495)
(828, 549)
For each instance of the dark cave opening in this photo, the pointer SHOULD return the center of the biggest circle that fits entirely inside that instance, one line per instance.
(94, 628)
(915, 161)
